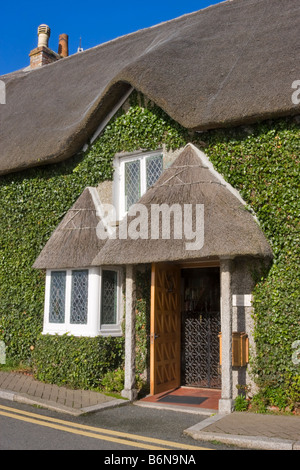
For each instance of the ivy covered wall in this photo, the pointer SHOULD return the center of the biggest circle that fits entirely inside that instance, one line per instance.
(262, 162)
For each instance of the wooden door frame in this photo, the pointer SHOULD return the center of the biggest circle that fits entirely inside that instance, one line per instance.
(152, 322)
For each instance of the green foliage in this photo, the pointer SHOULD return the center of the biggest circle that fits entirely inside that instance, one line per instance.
(259, 403)
(76, 361)
(143, 282)
(292, 392)
(285, 397)
(276, 397)
(241, 403)
(113, 381)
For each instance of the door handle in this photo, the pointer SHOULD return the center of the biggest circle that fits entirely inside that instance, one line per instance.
(153, 336)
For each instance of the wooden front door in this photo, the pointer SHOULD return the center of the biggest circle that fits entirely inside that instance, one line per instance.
(165, 328)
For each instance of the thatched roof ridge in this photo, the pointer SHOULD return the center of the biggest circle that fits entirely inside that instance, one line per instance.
(229, 64)
(230, 230)
(74, 242)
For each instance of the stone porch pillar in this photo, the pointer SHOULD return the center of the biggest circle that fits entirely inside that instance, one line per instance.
(226, 402)
(129, 390)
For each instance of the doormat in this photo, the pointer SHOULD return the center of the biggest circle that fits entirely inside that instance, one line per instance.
(183, 400)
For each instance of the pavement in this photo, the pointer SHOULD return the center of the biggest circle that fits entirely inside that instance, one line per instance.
(243, 429)
(23, 388)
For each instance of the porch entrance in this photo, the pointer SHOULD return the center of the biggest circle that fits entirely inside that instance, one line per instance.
(184, 327)
(200, 328)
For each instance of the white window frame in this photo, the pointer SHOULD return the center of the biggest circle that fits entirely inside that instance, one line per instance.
(112, 329)
(119, 178)
(92, 327)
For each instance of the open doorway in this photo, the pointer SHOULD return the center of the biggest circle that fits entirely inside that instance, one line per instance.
(200, 327)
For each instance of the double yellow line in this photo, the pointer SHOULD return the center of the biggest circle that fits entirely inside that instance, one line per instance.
(133, 440)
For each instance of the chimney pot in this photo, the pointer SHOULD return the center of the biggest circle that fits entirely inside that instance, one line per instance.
(43, 35)
(42, 55)
(63, 46)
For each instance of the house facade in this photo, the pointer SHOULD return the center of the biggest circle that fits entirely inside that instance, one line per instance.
(160, 200)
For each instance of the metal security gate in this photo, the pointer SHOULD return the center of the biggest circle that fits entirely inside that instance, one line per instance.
(200, 328)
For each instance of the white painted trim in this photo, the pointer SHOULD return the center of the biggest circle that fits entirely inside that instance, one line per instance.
(110, 115)
(242, 300)
(112, 329)
(119, 177)
(93, 327)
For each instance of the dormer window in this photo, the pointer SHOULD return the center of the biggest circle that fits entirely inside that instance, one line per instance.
(135, 174)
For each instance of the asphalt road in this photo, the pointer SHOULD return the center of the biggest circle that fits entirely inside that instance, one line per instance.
(125, 429)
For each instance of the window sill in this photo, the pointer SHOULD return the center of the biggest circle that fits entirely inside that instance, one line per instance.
(113, 330)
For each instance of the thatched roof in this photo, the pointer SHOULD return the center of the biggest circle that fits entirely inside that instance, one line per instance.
(229, 64)
(74, 242)
(230, 230)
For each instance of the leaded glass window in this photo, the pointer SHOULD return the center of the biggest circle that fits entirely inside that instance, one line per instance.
(79, 297)
(57, 297)
(109, 297)
(154, 168)
(132, 183)
(138, 175)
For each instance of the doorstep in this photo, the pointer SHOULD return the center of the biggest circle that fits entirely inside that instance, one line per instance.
(187, 399)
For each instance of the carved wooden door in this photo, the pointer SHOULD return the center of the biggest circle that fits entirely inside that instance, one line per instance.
(165, 328)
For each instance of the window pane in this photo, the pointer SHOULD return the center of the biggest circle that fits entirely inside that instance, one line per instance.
(109, 297)
(57, 297)
(79, 297)
(132, 183)
(154, 168)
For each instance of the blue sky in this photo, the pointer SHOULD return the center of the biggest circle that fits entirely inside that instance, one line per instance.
(94, 21)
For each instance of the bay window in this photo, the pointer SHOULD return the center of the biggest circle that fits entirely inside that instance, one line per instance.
(83, 302)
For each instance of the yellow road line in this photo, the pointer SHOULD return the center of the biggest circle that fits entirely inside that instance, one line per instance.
(80, 432)
(91, 431)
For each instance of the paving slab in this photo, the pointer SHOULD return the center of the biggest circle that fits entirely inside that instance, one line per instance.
(22, 388)
(250, 430)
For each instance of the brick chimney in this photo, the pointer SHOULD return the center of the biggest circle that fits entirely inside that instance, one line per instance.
(63, 45)
(42, 55)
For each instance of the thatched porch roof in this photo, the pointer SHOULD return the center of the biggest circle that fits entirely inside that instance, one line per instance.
(230, 230)
(74, 243)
